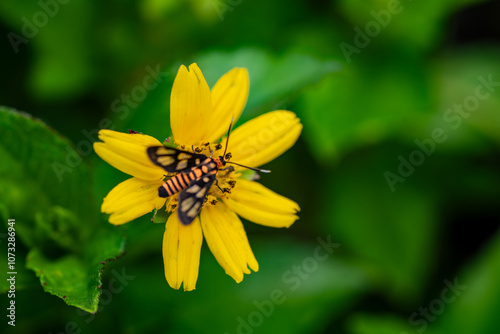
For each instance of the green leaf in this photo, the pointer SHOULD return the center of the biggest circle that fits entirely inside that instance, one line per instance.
(24, 278)
(47, 191)
(40, 170)
(35, 153)
(61, 227)
(77, 278)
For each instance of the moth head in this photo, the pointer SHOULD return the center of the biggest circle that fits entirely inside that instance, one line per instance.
(221, 162)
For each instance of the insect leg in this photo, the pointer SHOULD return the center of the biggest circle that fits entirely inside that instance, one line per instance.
(229, 168)
(217, 184)
(222, 190)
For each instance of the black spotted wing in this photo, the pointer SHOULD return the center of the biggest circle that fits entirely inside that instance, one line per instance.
(173, 160)
(191, 199)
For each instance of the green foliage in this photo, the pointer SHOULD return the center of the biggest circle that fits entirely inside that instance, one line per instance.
(25, 279)
(291, 301)
(405, 220)
(458, 77)
(60, 49)
(352, 109)
(44, 181)
(480, 296)
(362, 114)
(416, 25)
(77, 277)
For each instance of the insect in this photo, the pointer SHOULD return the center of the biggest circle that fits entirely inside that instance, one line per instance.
(195, 175)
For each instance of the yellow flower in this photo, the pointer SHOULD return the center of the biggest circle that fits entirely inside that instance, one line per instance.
(198, 116)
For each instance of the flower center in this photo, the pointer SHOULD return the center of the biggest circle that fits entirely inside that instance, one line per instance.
(225, 178)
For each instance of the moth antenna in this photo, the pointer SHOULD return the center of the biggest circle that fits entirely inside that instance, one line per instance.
(255, 169)
(234, 163)
(228, 133)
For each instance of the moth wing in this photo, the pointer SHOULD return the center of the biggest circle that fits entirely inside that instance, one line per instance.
(173, 160)
(191, 199)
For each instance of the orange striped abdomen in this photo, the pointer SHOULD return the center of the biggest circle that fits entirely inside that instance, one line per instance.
(181, 181)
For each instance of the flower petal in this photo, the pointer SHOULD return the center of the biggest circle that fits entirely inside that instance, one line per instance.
(229, 97)
(127, 152)
(190, 106)
(181, 252)
(131, 199)
(227, 240)
(261, 205)
(264, 138)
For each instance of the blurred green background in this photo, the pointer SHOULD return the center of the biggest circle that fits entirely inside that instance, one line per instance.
(397, 166)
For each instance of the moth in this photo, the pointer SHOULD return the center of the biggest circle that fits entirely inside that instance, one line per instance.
(195, 175)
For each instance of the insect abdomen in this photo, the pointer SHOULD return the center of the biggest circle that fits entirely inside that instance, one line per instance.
(180, 181)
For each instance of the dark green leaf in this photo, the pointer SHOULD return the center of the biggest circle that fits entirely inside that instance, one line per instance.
(24, 278)
(77, 278)
(40, 169)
